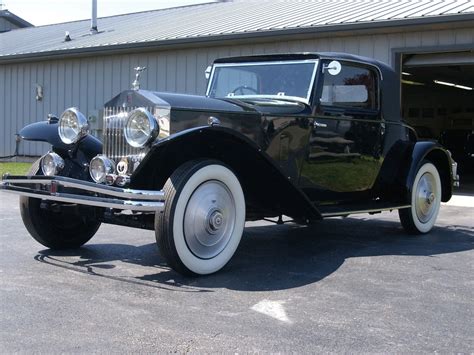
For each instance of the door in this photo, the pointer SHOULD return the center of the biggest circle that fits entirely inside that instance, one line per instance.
(344, 154)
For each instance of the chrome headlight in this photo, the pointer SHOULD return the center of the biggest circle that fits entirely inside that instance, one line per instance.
(51, 164)
(141, 128)
(72, 126)
(99, 167)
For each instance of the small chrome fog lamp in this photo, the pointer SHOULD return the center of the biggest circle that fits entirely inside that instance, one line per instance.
(99, 167)
(72, 126)
(141, 128)
(51, 164)
(122, 180)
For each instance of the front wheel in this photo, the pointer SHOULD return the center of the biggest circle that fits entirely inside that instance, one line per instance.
(55, 230)
(203, 221)
(425, 201)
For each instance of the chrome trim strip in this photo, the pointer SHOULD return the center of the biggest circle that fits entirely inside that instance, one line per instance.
(346, 213)
(131, 194)
(139, 206)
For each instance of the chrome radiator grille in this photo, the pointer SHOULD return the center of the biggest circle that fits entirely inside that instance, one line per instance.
(115, 146)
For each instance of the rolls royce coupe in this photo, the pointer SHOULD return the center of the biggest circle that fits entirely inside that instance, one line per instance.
(306, 136)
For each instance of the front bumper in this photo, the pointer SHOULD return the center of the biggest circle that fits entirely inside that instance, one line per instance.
(68, 190)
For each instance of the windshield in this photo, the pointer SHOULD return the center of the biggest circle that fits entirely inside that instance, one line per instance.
(290, 80)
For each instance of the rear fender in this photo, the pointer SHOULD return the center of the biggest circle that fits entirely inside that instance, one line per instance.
(439, 156)
(401, 165)
(267, 190)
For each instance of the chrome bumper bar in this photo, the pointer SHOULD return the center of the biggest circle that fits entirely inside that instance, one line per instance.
(89, 193)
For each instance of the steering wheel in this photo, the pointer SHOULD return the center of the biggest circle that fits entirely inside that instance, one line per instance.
(241, 89)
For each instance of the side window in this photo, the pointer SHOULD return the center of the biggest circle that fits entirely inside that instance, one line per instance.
(353, 86)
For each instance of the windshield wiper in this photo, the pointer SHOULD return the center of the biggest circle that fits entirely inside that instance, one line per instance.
(273, 99)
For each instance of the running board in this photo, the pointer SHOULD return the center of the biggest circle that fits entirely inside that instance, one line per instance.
(331, 211)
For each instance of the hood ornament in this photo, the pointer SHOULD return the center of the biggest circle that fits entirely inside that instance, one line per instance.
(136, 83)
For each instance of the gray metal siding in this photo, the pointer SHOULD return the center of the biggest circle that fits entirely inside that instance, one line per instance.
(88, 82)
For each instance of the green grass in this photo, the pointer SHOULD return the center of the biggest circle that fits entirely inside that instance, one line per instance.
(14, 168)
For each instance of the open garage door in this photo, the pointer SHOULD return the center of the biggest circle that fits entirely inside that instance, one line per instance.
(438, 101)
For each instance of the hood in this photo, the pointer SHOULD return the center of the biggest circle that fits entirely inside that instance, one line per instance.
(146, 98)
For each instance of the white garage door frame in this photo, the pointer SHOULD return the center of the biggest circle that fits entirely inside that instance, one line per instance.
(437, 53)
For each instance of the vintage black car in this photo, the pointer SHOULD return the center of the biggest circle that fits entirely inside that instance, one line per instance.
(307, 136)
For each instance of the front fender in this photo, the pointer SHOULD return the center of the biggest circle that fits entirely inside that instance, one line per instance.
(48, 132)
(268, 191)
(43, 132)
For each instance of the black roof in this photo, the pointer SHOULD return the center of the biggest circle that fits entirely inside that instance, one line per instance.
(384, 68)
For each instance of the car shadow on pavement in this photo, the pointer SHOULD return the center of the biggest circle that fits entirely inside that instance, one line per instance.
(270, 257)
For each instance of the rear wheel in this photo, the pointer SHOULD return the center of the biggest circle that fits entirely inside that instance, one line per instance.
(55, 230)
(203, 221)
(425, 201)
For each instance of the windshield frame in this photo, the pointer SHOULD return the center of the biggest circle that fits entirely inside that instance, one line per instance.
(305, 100)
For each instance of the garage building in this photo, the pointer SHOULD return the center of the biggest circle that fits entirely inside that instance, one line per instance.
(430, 43)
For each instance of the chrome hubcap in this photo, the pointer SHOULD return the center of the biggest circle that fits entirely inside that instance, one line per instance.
(209, 219)
(215, 221)
(425, 197)
(430, 198)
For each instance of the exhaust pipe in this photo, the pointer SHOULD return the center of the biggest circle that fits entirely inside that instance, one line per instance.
(94, 17)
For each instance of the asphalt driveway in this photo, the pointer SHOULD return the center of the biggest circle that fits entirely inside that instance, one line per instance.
(357, 284)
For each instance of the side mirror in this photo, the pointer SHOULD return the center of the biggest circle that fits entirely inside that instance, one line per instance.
(332, 68)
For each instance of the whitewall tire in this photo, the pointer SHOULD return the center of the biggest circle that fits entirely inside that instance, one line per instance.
(202, 223)
(425, 201)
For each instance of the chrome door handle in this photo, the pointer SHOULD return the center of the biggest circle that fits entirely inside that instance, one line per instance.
(319, 124)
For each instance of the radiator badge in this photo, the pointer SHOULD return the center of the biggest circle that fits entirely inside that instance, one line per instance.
(122, 167)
